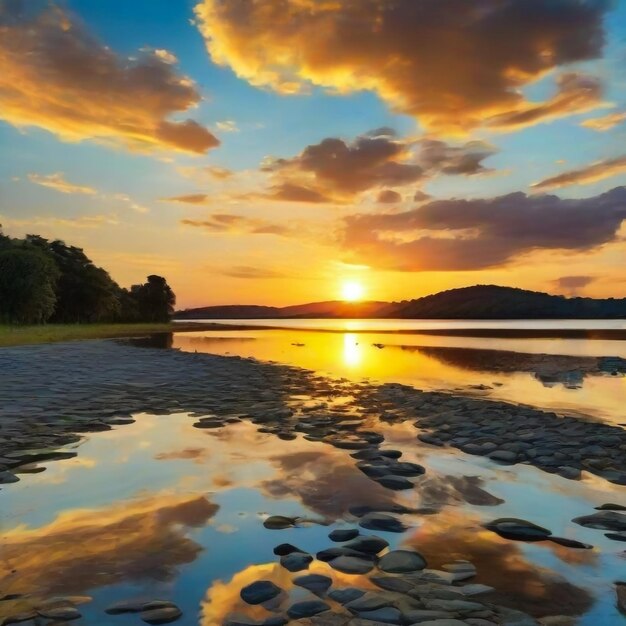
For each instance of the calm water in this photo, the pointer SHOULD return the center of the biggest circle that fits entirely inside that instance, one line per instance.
(559, 373)
(160, 509)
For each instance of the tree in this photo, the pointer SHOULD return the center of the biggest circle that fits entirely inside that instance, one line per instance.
(27, 286)
(155, 299)
(85, 292)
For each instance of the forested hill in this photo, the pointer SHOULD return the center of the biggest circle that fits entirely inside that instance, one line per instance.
(477, 302)
(493, 302)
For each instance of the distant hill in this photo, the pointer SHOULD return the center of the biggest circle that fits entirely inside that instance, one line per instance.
(477, 302)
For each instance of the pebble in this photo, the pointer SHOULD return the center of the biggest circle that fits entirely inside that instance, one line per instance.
(260, 591)
(382, 522)
(351, 565)
(341, 534)
(163, 615)
(296, 561)
(402, 561)
(307, 609)
(315, 583)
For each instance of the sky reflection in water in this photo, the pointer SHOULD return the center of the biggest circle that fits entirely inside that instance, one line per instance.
(161, 509)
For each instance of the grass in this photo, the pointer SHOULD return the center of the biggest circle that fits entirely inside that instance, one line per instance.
(49, 333)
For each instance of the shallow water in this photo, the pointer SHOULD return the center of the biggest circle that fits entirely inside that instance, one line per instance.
(556, 374)
(160, 509)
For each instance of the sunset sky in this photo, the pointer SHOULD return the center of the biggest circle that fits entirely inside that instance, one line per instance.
(271, 151)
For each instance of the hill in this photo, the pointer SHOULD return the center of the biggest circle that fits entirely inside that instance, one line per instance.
(477, 302)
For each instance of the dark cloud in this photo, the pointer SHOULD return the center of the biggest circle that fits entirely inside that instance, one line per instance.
(421, 196)
(576, 93)
(571, 285)
(247, 271)
(338, 171)
(57, 76)
(237, 224)
(475, 234)
(585, 175)
(453, 64)
(388, 196)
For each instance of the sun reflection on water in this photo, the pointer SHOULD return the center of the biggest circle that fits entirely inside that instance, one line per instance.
(352, 351)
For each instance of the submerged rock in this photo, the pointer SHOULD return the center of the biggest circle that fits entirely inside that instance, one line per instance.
(307, 609)
(162, 615)
(370, 544)
(351, 565)
(315, 583)
(604, 520)
(402, 561)
(518, 529)
(60, 613)
(343, 596)
(279, 522)
(259, 592)
(296, 561)
(341, 534)
(382, 522)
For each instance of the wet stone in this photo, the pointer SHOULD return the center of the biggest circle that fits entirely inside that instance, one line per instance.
(397, 483)
(382, 522)
(604, 520)
(307, 609)
(384, 615)
(370, 544)
(351, 565)
(279, 522)
(341, 534)
(163, 615)
(402, 561)
(259, 592)
(296, 561)
(285, 548)
(345, 595)
(62, 613)
(315, 583)
(518, 529)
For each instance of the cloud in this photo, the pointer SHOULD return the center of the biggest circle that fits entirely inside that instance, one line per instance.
(83, 221)
(605, 122)
(585, 175)
(448, 235)
(388, 196)
(237, 224)
(452, 64)
(57, 76)
(576, 93)
(135, 206)
(202, 173)
(227, 126)
(572, 284)
(58, 183)
(190, 198)
(421, 196)
(338, 171)
(247, 271)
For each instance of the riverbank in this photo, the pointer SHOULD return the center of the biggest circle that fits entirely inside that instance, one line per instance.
(54, 395)
(53, 333)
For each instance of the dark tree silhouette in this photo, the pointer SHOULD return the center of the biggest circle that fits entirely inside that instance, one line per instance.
(155, 299)
(27, 285)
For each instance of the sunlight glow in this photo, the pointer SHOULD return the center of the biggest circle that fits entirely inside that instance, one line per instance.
(352, 291)
(352, 352)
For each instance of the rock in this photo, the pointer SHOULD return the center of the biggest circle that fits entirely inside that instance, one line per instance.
(430, 439)
(620, 590)
(503, 456)
(616, 536)
(341, 534)
(604, 520)
(570, 543)
(419, 616)
(332, 553)
(343, 596)
(296, 561)
(392, 583)
(285, 548)
(17, 618)
(406, 469)
(7, 477)
(384, 615)
(351, 565)
(444, 622)
(571, 473)
(162, 615)
(279, 522)
(454, 606)
(277, 620)
(126, 606)
(259, 592)
(382, 522)
(368, 602)
(610, 506)
(518, 529)
(315, 583)
(475, 589)
(370, 544)
(61, 613)
(397, 483)
(402, 561)
(307, 609)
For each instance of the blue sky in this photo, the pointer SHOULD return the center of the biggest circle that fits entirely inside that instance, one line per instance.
(131, 227)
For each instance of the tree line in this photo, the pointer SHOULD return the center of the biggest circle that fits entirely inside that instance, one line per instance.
(48, 281)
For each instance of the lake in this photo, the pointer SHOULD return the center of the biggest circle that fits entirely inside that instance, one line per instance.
(164, 509)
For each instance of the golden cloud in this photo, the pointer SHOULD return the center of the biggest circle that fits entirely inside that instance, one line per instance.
(190, 198)
(55, 75)
(585, 175)
(452, 65)
(59, 183)
(237, 224)
(605, 122)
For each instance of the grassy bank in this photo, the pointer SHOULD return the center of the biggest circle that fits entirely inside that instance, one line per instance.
(49, 333)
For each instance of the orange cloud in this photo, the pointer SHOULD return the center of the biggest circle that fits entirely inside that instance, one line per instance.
(237, 224)
(57, 76)
(448, 235)
(605, 122)
(58, 183)
(585, 175)
(452, 64)
(190, 198)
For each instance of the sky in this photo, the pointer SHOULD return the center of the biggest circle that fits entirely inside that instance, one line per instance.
(277, 151)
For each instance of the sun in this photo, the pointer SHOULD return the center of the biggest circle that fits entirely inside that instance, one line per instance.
(351, 291)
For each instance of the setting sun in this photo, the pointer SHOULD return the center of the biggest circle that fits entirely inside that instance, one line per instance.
(352, 291)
